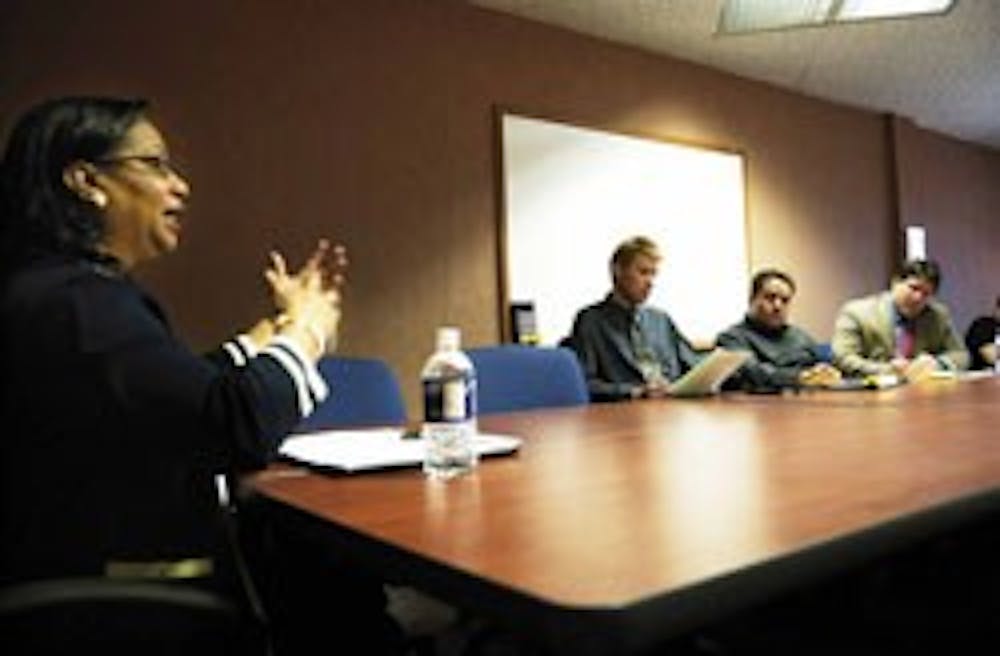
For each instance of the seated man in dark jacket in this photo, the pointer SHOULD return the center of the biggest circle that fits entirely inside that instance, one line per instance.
(629, 350)
(980, 339)
(782, 355)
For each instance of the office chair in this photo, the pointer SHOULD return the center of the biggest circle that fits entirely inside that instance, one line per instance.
(363, 392)
(58, 617)
(514, 377)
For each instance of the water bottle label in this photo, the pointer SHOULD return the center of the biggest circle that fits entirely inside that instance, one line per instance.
(450, 399)
(471, 397)
(996, 351)
(453, 400)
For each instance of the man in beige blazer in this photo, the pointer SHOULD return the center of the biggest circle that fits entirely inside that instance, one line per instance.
(902, 331)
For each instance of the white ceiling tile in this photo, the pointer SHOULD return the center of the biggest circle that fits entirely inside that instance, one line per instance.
(943, 72)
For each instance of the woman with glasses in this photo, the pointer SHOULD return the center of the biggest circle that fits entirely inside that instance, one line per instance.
(117, 440)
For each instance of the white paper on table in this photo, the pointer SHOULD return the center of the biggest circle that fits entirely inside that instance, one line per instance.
(375, 448)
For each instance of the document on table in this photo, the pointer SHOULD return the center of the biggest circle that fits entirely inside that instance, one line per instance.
(707, 376)
(375, 448)
(886, 381)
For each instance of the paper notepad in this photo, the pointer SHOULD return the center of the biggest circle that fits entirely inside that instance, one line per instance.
(359, 450)
(707, 376)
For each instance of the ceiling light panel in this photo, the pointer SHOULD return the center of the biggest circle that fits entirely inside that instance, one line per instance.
(863, 9)
(740, 16)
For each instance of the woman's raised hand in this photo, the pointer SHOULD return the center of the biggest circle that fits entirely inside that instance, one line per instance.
(325, 268)
(308, 301)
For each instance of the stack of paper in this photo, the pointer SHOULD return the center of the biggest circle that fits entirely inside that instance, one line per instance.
(356, 450)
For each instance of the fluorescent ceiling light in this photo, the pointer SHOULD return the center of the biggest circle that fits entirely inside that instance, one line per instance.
(753, 15)
(862, 9)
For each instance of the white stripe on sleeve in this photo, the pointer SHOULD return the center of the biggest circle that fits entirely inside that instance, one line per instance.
(317, 386)
(249, 348)
(235, 353)
(295, 371)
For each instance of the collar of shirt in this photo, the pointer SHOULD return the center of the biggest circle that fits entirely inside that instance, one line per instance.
(628, 312)
(899, 320)
(765, 330)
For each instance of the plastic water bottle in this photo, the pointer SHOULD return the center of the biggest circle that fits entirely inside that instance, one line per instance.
(449, 429)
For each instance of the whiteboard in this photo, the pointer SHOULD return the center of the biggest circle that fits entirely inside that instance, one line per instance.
(572, 194)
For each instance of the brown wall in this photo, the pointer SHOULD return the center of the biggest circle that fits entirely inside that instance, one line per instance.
(953, 189)
(372, 121)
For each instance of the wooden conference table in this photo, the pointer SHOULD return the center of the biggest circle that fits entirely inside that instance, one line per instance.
(617, 526)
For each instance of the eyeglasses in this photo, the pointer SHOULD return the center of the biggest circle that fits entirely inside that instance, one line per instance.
(159, 164)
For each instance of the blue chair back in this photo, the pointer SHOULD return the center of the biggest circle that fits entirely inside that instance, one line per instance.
(515, 377)
(824, 352)
(363, 392)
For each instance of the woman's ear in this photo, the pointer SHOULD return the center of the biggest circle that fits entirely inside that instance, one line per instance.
(80, 178)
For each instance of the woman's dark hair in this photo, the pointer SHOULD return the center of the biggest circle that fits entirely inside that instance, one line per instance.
(38, 212)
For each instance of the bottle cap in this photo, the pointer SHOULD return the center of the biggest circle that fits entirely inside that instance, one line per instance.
(449, 338)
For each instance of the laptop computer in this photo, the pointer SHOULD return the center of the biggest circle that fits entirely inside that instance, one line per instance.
(707, 376)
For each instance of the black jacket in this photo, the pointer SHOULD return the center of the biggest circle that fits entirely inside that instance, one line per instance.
(778, 356)
(113, 432)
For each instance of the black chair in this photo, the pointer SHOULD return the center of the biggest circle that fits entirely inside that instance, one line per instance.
(58, 617)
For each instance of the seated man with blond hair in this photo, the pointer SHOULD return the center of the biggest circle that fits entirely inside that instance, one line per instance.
(629, 350)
